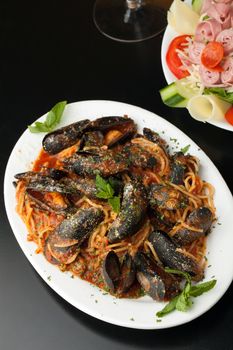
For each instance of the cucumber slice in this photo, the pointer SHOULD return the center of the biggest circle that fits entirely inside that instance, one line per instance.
(197, 5)
(177, 94)
(184, 89)
(171, 96)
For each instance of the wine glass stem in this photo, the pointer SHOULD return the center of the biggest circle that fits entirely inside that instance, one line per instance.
(134, 4)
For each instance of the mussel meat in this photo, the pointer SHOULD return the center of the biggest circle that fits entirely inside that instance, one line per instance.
(115, 129)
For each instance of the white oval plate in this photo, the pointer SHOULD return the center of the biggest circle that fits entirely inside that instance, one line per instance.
(137, 313)
(169, 35)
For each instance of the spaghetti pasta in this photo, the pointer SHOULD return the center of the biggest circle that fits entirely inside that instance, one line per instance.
(87, 263)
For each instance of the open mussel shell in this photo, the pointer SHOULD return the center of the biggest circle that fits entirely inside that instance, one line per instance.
(54, 142)
(168, 254)
(91, 141)
(64, 255)
(60, 206)
(132, 213)
(115, 129)
(56, 174)
(48, 255)
(154, 137)
(111, 270)
(41, 182)
(200, 218)
(177, 172)
(64, 242)
(165, 197)
(105, 164)
(80, 225)
(128, 274)
(154, 280)
(84, 186)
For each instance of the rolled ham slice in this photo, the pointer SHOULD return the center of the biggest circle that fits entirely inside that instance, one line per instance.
(209, 78)
(194, 51)
(226, 39)
(227, 74)
(207, 30)
(206, 5)
(221, 11)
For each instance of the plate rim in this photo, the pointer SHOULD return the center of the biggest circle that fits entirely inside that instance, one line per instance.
(52, 284)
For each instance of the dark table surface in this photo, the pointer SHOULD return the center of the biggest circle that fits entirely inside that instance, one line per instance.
(50, 52)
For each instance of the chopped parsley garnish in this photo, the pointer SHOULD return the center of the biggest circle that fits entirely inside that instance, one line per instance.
(53, 118)
(182, 302)
(106, 191)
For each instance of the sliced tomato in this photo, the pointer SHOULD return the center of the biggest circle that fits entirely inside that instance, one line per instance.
(173, 61)
(212, 55)
(229, 115)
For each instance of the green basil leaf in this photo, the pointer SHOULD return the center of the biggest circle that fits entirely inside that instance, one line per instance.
(38, 127)
(50, 119)
(171, 306)
(100, 183)
(178, 272)
(58, 110)
(110, 190)
(115, 204)
(33, 129)
(102, 194)
(183, 302)
(201, 288)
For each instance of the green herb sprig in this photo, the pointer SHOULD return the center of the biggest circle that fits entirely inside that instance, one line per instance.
(221, 93)
(106, 191)
(185, 149)
(53, 118)
(183, 302)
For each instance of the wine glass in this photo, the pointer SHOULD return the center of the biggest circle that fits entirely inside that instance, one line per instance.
(130, 20)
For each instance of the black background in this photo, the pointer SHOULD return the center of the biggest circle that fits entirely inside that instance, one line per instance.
(50, 52)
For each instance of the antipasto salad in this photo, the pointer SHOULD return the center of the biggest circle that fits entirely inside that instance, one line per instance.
(201, 58)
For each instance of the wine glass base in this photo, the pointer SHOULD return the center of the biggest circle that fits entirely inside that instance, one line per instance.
(116, 21)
